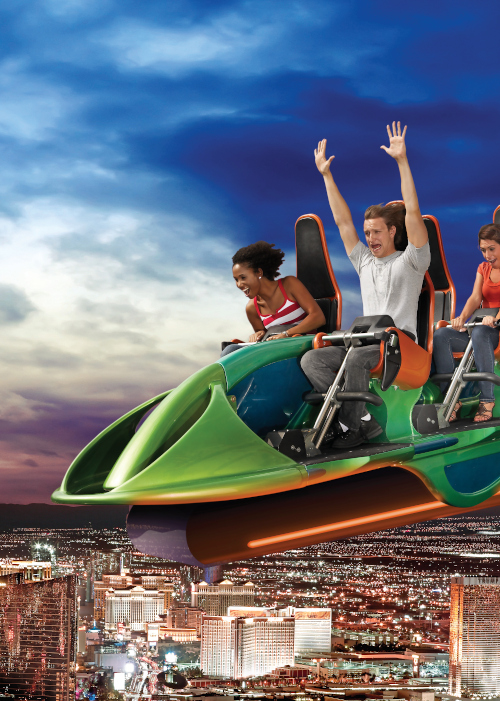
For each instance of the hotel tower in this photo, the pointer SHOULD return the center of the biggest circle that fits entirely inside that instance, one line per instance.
(475, 636)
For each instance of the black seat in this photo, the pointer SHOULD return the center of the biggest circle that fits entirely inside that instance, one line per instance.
(445, 299)
(314, 269)
(496, 216)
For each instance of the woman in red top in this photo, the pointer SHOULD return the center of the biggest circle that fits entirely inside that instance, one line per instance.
(282, 307)
(485, 338)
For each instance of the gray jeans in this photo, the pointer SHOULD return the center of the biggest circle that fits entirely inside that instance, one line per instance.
(321, 367)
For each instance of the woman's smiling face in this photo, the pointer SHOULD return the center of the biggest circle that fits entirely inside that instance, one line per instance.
(247, 279)
(491, 252)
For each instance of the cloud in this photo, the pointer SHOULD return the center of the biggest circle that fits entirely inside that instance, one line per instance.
(246, 39)
(31, 107)
(141, 144)
(14, 304)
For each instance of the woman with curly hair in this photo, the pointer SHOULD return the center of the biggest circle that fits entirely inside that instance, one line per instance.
(276, 308)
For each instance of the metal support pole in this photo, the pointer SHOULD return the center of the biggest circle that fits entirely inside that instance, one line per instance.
(455, 388)
(330, 405)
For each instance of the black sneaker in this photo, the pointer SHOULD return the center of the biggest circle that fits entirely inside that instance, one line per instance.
(349, 439)
(334, 431)
(371, 429)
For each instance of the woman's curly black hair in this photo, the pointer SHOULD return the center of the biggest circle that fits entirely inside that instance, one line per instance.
(261, 255)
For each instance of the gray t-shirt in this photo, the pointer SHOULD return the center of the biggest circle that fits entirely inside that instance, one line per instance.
(392, 285)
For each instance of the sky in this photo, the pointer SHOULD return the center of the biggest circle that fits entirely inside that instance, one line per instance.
(143, 143)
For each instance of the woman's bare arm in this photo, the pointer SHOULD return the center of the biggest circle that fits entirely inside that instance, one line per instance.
(256, 322)
(473, 303)
(297, 292)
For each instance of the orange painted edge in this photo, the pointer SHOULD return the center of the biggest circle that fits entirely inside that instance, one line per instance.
(318, 341)
(441, 324)
(384, 520)
(328, 263)
(432, 306)
(415, 362)
(377, 370)
(351, 523)
(451, 287)
(494, 213)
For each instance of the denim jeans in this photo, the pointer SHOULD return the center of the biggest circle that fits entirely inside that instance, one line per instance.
(484, 341)
(321, 365)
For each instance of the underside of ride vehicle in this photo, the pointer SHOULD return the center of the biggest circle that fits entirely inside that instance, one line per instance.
(233, 463)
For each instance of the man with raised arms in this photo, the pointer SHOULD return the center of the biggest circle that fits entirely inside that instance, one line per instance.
(390, 280)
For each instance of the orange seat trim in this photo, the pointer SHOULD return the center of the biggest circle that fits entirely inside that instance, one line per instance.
(318, 341)
(415, 362)
(326, 253)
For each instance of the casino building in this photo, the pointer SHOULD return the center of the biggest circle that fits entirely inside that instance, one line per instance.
(237, 647)
(475, 636)
(38, 636)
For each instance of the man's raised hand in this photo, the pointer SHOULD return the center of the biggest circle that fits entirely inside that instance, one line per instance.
(322, 164)
(397, 148)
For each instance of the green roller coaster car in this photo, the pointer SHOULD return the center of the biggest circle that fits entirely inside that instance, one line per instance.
(207, 485)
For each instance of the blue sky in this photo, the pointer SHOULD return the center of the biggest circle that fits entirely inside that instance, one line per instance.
(141, 144)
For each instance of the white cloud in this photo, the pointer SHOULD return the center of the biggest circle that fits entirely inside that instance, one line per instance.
(254, 38)
(30, 107)
(101, 327)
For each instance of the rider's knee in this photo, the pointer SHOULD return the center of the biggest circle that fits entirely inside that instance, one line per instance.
(305, 361)
(481, 332)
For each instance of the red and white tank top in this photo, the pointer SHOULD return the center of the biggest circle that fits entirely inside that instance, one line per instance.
(289, 312)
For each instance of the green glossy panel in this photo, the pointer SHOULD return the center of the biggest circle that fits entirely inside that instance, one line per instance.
(165, 425)
(472, 445)
(207, 464)
(394, 415)
(205, 453)
(91, 467)
(245, 361)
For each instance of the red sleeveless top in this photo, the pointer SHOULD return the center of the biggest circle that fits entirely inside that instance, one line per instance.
(490, 290)
(289, 312)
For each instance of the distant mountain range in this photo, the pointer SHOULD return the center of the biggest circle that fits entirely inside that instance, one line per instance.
(61, 516)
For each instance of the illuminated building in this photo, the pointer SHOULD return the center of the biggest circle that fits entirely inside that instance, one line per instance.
(111, 582)
(313, 626)
(313, 629)
(31, 571)
(475, 636)
(38, 636)
(133, 607)
(250, 611)
(215, 599)
(184, 616)
(243, 647)
(159, 631)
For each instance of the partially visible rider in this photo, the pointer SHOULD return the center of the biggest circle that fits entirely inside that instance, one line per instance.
(390, 279)
(452, 339)
(276, 308)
